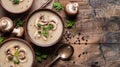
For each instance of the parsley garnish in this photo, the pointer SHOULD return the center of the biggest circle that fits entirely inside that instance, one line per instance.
(1, 39)
(50, 26)
(44, 56)
(70, 23)
(45, 33)
(16, 53)
(16, 61)
(40, 56)
(16, 56)
(38, 53)
(46, 30)
(39, 32)
(10, 58)
(16, 1)
(39, 59)
(18, 22)
(57, 6)
(39, 25)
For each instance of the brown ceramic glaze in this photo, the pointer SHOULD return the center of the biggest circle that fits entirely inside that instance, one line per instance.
(26, 30)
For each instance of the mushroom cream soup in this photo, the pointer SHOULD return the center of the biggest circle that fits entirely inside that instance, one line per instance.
(15, 53)
(16, 6)
(44, 28)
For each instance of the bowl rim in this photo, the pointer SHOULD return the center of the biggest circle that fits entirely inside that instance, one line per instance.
(44, 9)
(21, 40)
(16, 12)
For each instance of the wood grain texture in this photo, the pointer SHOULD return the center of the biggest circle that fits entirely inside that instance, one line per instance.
(95, 35)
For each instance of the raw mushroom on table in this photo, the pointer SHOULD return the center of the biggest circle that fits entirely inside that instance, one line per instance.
(6, 24)
(72, 8)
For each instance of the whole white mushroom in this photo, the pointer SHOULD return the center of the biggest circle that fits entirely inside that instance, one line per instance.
(6, 24)
(72, 8)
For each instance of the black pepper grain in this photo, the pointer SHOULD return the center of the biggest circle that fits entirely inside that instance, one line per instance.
(73, 62)
(79, 34)
(96, 62)
(79, 55)
(83, 38)
(83, 53)
(85, 43)
(78, 40)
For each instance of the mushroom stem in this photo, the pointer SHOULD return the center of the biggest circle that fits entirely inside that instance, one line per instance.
(18, 31)
(15, 30)
(41, 20)
(44, 38)
(37, 34)
(4, 23)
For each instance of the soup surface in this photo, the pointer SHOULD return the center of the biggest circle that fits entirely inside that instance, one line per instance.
(22, 6)
(44, 28)
(15, 54)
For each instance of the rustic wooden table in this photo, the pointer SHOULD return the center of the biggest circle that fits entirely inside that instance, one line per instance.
(95, 35)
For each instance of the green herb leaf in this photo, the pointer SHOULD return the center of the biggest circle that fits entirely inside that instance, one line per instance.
(16, 1)
(18, 22)
(39, 32)
(57, 6)
(45, 33)
(39, 59)
(51, 57)
(50, 26)
(39, 25)
(16, 53)
(44, 56)
(70, 23)
(10, 58)
(1, 39)
(38, 53)
(40, 56)
(16, 61)
(46, 30)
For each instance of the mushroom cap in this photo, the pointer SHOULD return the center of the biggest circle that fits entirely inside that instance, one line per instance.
(72, 8)
(8, 57)
(10, 50)
(6, 24)
(44, 38)
(22, 55)
(37, 35)
(54, 24)
(43, 20)
(21, 0)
